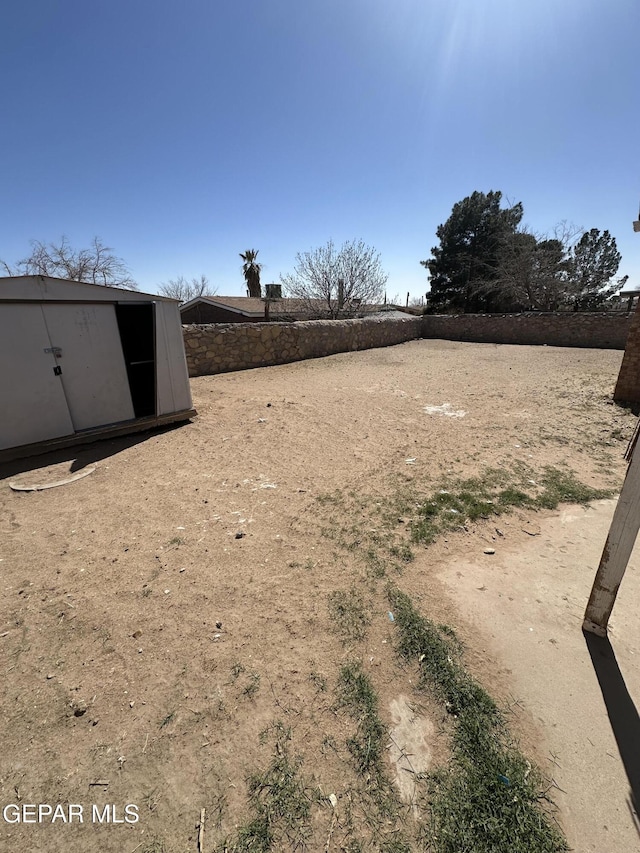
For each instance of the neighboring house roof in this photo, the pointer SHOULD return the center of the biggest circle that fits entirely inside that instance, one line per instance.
(250, 306)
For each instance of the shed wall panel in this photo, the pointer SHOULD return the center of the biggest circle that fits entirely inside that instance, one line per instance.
(32, 400)
(172, 377)
(94, 374)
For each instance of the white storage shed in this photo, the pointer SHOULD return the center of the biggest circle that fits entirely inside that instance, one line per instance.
(82, 361)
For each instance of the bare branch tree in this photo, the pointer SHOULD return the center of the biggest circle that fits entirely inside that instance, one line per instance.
(534, 271)
(95, 265)
(334, 282)
(573, 268)
(531, 273)
(568, 233)
(185, 290)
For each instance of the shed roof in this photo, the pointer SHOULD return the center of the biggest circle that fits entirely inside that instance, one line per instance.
(42, 288)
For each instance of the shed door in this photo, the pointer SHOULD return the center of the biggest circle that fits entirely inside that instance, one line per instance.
(94, 375)
(33, 403)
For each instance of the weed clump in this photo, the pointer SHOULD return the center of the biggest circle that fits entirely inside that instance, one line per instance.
(280, 801)
(493, 494)
(562, 487)
(349, 613)
(356, 694)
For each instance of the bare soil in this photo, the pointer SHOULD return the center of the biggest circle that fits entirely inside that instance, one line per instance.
(161, 613)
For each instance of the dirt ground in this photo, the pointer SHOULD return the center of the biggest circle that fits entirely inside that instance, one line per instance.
(165, 627)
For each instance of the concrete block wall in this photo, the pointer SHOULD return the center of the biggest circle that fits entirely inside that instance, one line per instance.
(221, 347)
(560, 328)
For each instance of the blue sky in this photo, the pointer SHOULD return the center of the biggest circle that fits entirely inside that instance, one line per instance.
(183, 133)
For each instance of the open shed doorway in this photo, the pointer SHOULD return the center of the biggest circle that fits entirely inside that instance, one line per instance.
(137, 332)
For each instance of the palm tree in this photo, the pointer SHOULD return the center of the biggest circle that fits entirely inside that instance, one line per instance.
(251, 272)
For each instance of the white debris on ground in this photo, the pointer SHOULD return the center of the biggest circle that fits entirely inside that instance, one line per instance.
(445, 409)
(410, 752)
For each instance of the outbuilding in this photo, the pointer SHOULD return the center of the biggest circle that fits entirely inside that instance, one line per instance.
(83, 361)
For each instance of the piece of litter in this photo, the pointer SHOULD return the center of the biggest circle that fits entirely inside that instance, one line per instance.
(390, 615)
(181, 528)
(411, 461)
(167, 591)
(268, 486)
(262, 420)
(504, 780)
(489, 550)
(38, 487)
(333, 800)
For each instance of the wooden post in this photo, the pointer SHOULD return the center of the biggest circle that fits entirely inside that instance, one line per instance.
(617, 550)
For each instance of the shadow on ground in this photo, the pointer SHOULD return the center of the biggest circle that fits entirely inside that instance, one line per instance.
(623, 714)
(82, 455)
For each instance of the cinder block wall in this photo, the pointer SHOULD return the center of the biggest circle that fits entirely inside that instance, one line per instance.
(221, 347)
(560, 328)
(627, 388)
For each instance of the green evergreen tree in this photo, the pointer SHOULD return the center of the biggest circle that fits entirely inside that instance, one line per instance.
(595, 261)
(464, 265)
